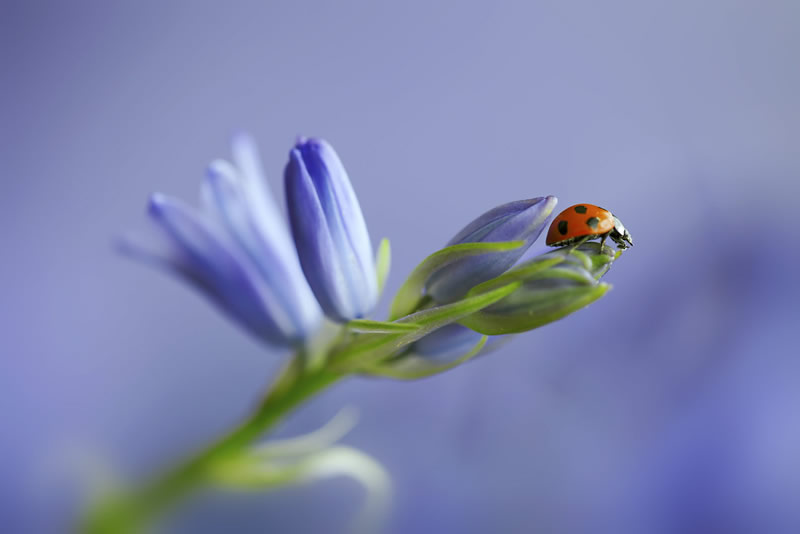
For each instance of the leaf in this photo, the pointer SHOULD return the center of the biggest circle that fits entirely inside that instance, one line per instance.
(375, 347)
(252, 472)
(383, 260)
(526, 310)
(366, 326)
(325, 436)
(415, 367)
(410, 293)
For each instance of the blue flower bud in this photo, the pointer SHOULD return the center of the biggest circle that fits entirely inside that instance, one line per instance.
(443, 349)
(451, 342)
(329, 231)
(522, 220)
(446, 344)
(241, 256)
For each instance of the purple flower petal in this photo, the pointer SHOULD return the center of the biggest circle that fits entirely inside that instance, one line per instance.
(522, 220)
(261, 204)
(329, 231)
(279, 269)
(202, 258)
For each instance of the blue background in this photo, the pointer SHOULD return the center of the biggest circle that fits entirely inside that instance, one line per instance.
(671, 405)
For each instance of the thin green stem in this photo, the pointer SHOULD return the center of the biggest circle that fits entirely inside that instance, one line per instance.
(133, 512)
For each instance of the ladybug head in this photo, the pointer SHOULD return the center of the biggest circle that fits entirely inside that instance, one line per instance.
(620, 235)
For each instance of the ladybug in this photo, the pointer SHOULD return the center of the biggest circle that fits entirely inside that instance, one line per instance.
(583, 222)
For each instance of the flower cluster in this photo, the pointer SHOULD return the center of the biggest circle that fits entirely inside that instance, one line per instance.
(278, 280)
(240, 252)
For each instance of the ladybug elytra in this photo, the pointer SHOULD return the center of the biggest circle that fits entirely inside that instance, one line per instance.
(584, 222)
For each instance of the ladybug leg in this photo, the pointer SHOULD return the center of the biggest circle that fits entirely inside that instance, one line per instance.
(578, 243)
(603, 241)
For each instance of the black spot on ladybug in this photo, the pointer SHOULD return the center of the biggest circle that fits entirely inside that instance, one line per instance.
(580, 209)
(592, 222)
(562, 227)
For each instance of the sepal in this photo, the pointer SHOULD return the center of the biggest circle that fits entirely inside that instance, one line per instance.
(552, 286)
(383, 262)
(371, 348)
(367, 326)
(414, 367)
(410, 294)
(309, 458)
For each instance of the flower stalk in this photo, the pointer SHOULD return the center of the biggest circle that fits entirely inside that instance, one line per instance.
(134, 511)
(371, 348)
(459, 303)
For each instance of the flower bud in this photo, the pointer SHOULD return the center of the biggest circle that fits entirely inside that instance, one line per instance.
(446, 344)
(522, 220)
(329, 231)
(442, 350)
(554, 285)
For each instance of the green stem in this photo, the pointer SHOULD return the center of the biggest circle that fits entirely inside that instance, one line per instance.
(134, 512)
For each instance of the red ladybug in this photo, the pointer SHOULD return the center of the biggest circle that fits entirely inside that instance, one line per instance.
(583, 222)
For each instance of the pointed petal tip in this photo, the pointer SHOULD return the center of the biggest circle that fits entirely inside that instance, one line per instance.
(242, 139)
(214, 169)
(129, 247)
(156, 202)
(294, 167)
(294, 154)
(316, 147)
(548, 201)
(548, 205)
(542, 207)
(312, 142)
(220, 170)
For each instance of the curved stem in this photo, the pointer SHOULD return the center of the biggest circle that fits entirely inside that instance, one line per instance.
(133, 512)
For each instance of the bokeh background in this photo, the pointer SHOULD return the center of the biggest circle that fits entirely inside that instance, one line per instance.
(672, 405)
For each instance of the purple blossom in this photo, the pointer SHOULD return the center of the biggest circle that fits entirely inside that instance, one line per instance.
(329, 231)
(522, 220)
(238, 251)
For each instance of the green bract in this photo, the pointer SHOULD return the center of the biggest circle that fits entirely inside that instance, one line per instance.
(409, 296)
(370, 348)
(413, 367)
(551, 287)
(383, 260)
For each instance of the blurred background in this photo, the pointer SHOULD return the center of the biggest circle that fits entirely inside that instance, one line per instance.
(672, 405)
